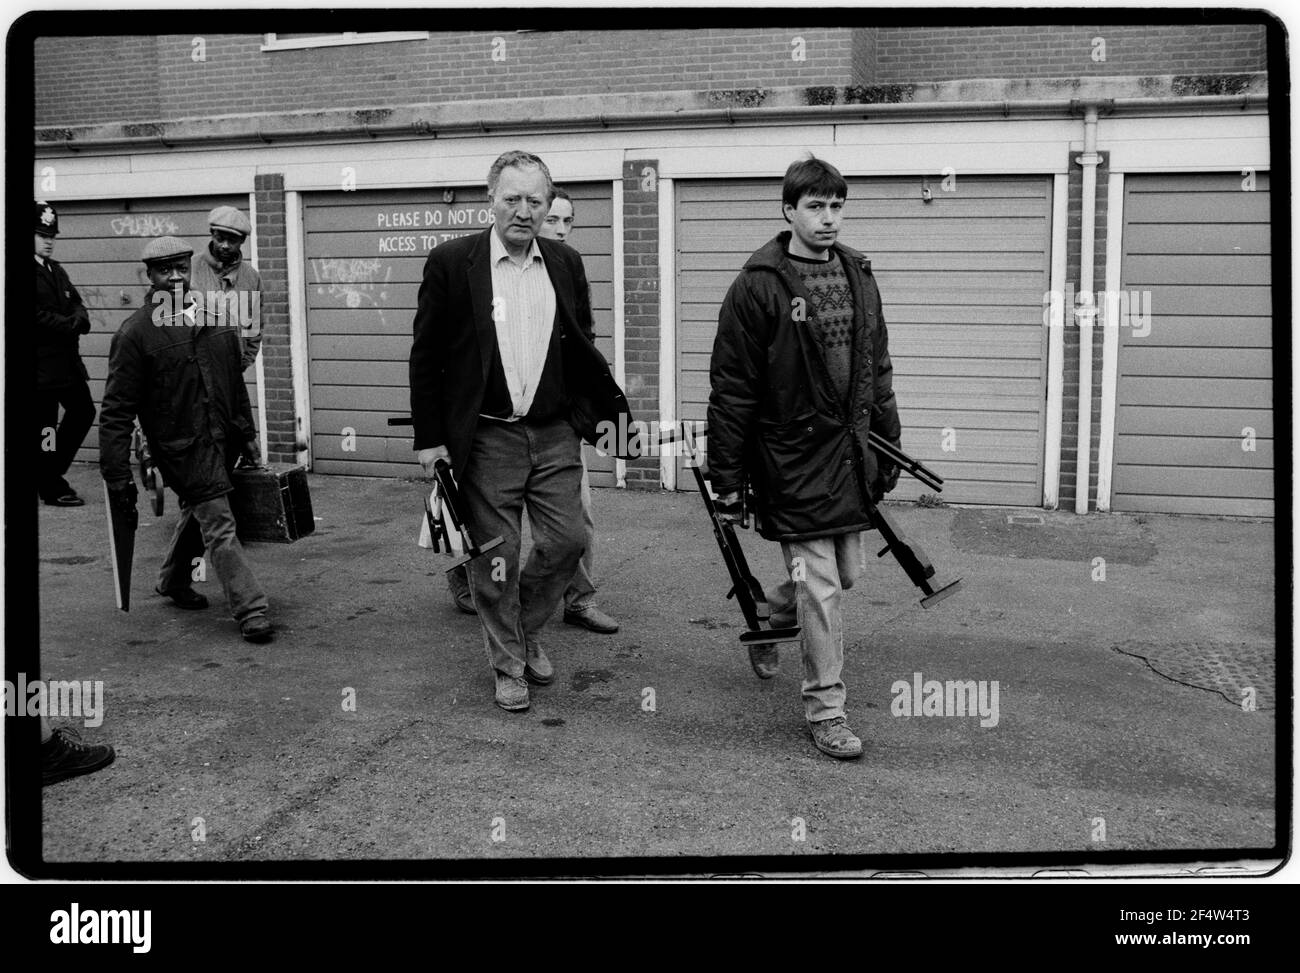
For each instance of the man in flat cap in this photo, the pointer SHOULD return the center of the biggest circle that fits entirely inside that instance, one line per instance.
(226, 281)
(176, 364)
(61, 320)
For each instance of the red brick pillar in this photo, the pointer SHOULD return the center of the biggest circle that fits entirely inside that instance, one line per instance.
(641, 305)
(273, 265)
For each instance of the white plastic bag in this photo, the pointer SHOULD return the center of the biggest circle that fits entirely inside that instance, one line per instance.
(453, 535)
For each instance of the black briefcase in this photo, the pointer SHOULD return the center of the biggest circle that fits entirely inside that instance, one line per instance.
(271, 503)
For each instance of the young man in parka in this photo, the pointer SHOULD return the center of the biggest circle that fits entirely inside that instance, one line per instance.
(800, 373)
(176, 365)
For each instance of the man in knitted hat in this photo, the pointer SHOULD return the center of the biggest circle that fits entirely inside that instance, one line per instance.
(61, 320)
(176, 366)
(227, 281)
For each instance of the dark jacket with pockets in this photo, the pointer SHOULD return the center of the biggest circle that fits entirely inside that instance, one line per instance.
(61, 320)
(455, 344)
(185, 382)
(774, 417)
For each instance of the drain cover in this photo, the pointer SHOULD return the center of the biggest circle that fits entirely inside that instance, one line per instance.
(1034, 520)
(1227, 669)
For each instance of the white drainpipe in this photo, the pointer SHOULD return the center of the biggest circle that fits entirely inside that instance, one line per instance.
(1087, 310)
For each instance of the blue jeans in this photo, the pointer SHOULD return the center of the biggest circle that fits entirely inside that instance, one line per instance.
(211, 525)
(512, 465)
(830, 566)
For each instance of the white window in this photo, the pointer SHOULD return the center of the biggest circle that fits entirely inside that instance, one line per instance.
(291, 42)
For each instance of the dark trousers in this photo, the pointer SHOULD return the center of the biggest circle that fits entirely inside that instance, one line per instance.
(210, 526)
(64, 437)
(513, 467)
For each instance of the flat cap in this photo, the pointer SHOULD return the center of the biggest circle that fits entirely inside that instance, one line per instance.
(229, 218)
(164, 248)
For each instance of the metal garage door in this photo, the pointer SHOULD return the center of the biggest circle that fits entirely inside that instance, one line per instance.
(99, 245)
(365, 253)
(962, 278)
(1194, 410)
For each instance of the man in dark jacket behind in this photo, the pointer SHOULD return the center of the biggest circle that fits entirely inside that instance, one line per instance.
(61, 320)
(800, 373)
(176, 364)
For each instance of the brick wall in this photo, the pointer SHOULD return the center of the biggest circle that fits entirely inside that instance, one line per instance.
(277, 367)
(1070, 385)
(76, 86)
(1051, 51)
(95, 79)
(641, 305)
(83, 80)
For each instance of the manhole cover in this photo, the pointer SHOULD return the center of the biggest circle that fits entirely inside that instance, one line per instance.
(1236, 671)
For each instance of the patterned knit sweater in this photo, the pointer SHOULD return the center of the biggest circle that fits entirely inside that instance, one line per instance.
(831, 320)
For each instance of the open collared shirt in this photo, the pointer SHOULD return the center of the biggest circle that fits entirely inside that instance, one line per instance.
(523, 310)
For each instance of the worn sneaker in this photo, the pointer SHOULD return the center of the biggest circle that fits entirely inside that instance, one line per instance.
(591, 618)
(458, 585)
(63, 755)
(538, 668)
(834, 738)
(186, 598)
(512, 692)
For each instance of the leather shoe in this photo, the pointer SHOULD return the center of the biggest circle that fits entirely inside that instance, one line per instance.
(69, 499)
(256, 629)
(538, 668)
(833, 737)
(186, 598)
(512, 693)
(764, 659)
(458, 585)
(591, 618)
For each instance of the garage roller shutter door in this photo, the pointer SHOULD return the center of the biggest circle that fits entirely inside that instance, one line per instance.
(365, 255)
(99, 245)
(1192, 389)
(962, 279)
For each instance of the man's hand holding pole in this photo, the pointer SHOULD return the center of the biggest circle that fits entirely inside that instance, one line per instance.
(428, 457)
(729, 507)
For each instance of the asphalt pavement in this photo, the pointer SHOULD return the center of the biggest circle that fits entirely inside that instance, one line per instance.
(1133, 657)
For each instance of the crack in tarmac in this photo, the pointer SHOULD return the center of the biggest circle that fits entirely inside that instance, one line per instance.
(253, 840)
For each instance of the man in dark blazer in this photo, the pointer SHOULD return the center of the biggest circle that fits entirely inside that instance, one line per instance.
(61, 320)
(505, 379)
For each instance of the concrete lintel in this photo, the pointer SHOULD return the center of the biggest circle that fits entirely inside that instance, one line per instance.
(598, 110)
